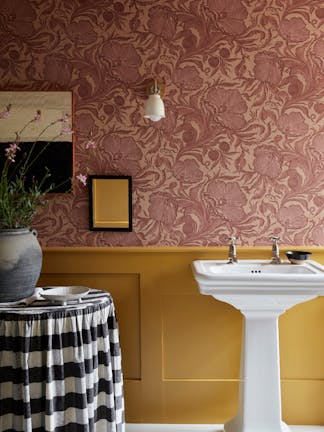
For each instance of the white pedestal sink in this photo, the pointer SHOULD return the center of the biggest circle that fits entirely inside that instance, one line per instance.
(261, 291)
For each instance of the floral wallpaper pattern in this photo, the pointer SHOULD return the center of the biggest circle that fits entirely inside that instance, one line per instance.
(241, 150)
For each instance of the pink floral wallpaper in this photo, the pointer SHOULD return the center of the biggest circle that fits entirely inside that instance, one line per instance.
(241, 150)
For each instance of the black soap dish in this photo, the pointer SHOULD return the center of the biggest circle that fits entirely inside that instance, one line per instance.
(298, 257)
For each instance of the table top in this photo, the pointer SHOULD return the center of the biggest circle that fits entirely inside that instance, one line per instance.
(94, 300)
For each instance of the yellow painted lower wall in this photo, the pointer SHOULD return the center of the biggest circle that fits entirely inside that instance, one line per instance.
(181, 349)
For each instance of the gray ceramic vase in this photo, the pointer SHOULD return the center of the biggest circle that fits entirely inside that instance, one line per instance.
(20, 263)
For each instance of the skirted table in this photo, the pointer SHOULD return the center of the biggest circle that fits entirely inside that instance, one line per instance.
(60, 367)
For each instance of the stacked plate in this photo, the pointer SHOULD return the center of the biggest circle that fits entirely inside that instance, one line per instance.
(64, 294)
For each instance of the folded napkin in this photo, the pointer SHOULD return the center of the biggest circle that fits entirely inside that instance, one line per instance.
(26, 301)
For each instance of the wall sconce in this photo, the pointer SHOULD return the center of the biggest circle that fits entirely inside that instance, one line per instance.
(154, 106)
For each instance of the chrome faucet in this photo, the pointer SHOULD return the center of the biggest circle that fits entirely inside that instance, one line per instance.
(232, 250)
(275, 250)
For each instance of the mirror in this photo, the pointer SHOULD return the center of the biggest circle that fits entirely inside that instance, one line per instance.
(110, 203)
(58, 154)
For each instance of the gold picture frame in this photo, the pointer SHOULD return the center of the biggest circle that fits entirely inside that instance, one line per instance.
(110, 203)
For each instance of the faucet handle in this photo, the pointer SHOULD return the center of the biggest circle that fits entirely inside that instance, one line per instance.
(232, 239)
(275, 239)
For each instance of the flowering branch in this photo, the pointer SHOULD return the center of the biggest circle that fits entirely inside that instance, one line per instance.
(90, 144)
(6, 112)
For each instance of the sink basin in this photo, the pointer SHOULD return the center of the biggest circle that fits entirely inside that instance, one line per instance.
(261, 291)
(259, 277)
(256, 267)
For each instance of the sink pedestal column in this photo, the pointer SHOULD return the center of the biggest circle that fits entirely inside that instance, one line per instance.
(259, 407)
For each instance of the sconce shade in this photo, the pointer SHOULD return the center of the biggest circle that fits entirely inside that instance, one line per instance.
(154, 108)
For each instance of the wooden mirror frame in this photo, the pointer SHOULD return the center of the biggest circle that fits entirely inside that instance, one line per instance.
(105, 193)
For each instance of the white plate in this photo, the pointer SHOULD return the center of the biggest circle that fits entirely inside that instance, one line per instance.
(63, 294)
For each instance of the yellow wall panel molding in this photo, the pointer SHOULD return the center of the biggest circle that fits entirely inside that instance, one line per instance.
(125, 290)
(181, 349)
